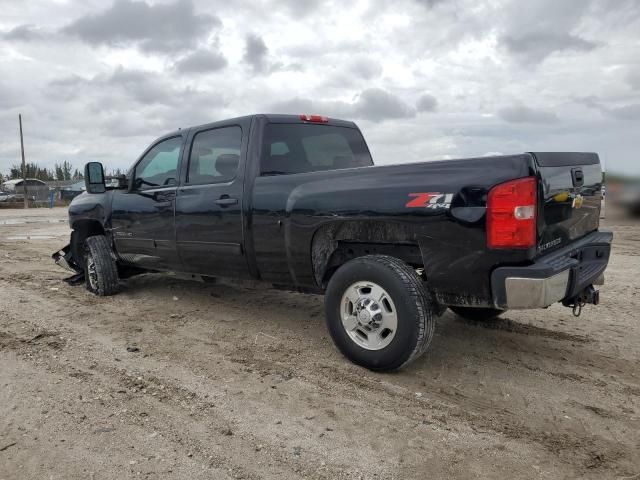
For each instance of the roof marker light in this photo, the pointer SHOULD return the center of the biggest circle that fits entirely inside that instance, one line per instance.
(314, 118)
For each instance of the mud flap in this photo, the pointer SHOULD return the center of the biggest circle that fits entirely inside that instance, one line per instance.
(64, 259)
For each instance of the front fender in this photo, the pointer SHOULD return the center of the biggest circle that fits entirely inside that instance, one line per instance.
(91, 207)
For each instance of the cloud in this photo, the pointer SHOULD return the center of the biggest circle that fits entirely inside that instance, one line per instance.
(630, 111)
(522, 114)
(365, 68)
(8, 96)
(626, 112)
(353, 74)
(531, 31)
(201, 61)
(377, 105)
(633, 78)
(122, 111)
(299, 8)
(430, 3)
(23, 33)
(256, 52)
(427, 103)
(293, 106)
(116, 90)
(536, 46)
(97, 92)
(373, 104)
(154, 28)
(143, 87)
(256, 55)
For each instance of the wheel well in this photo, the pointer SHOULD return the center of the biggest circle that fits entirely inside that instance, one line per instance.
(82, 229)
(335, 244)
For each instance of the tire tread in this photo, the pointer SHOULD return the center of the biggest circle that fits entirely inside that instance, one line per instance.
(98, 247)
(415, 287)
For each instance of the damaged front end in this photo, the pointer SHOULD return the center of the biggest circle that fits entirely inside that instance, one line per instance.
(64, 258)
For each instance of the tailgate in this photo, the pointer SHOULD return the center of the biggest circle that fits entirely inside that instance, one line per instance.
(572, 189)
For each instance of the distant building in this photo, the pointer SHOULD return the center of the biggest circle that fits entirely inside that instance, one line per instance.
(15, 186)
(13, 191)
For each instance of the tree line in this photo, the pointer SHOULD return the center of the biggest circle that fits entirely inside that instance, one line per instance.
(60, 171)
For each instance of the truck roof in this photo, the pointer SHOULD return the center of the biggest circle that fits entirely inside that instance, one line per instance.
(271, 117)
(282, 118)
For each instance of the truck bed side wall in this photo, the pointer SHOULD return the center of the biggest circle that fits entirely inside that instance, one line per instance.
(292, 213)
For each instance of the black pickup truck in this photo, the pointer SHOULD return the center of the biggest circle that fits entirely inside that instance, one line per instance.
(295, 201)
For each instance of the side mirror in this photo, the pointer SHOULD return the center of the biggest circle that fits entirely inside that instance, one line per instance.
(94, 178)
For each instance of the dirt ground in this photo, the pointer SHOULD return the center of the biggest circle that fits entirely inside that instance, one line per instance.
(177, 379)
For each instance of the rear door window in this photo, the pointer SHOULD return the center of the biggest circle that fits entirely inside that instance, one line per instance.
(300, 148)
(215, 156)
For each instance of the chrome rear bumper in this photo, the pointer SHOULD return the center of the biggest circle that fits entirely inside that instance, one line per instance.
(523, 293)
(553, 278)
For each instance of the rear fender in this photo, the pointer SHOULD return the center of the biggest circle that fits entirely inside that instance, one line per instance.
(339, 242)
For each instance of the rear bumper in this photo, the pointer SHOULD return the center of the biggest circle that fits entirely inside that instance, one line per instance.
(553, 278)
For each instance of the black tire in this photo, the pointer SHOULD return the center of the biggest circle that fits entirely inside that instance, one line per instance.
(100, 270)
(477, 314)
(414, 310)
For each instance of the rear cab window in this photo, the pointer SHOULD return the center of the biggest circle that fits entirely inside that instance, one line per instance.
(300, 148)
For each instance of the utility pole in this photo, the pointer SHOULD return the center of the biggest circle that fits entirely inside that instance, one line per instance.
(24, 167)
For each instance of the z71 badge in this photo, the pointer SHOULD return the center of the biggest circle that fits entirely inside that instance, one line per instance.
(432, 200)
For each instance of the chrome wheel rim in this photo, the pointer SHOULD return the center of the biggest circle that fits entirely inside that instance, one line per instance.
(368, 315)
(92, 273)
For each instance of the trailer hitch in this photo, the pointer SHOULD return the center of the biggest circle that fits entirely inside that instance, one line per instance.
(588, 295)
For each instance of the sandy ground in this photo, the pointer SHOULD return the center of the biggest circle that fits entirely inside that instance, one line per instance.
(238, 382)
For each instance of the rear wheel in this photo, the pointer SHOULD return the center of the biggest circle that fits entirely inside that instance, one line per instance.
(477, 314)
(378, 312)
(100, 270)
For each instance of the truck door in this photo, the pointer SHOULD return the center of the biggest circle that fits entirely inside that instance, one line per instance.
(209, 202)
(143, 217)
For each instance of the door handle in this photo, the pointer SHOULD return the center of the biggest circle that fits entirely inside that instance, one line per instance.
(225, 201)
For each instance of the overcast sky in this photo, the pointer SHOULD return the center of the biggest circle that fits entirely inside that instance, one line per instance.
(424, 79)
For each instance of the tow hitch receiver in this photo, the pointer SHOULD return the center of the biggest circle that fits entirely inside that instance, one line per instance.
(588, 295)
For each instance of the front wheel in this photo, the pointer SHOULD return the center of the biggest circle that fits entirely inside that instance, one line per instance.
(378, 312)
(477, 314)
(100, 270)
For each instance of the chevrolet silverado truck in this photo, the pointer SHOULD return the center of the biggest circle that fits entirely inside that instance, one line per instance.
(296, 201)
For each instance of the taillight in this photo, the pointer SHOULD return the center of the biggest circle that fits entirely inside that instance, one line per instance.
(314, 118)
(511, 214)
